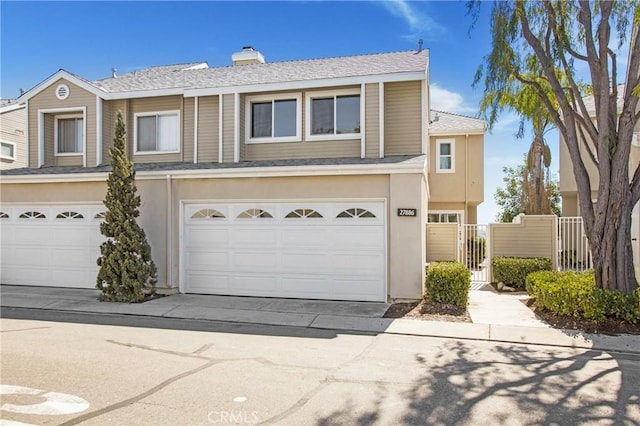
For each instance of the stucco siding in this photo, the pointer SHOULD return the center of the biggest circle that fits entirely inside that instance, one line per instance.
(372, 121)
(208, 129)
(156, 104)
(402, 118)
(442, 242)
(47, 100)
(13, 131)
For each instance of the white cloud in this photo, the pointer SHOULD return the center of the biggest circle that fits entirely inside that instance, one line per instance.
(446, 100)
(507, 123)
(420, 25)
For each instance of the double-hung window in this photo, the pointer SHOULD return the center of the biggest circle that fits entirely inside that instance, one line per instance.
(7, 150)
(333, 115)
(273, 118)
(69, 134)
(445, 156)
(157, 132)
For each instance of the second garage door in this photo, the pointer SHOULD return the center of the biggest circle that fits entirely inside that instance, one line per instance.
(314, 250)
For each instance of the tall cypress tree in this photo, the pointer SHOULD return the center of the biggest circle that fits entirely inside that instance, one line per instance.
(127, 272)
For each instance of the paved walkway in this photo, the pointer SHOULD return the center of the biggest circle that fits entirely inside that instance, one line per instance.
(496, 317)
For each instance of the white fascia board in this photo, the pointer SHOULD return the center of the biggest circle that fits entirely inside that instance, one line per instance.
(144, 93)
(307, 84)
(456, 132)
(12, 107)
(254, 172)
(57, 76)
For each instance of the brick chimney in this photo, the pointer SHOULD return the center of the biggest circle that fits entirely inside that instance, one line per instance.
(247, 56)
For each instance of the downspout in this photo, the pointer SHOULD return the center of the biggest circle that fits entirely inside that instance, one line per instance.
(169, 250)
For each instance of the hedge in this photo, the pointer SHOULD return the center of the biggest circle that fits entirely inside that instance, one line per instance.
(513, 271)
(575, 294)
(449, 283)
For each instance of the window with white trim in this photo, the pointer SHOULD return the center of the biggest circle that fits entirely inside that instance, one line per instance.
(333, 115)
(69, 134)
(445, 156)
(157, 132)
(7, 150)
(273, 118)
(444, 217)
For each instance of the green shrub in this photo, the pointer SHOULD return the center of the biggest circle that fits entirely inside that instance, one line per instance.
(448, 282)
(513, 271)
(575, 294)
(476, 251)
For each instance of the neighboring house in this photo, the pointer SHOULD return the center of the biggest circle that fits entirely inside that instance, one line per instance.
(456, 169)
(290, 179)
(13, 142)
(568, 186)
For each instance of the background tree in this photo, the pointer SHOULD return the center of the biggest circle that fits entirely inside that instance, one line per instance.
(127, 272)
(537, 44)
(515, 197)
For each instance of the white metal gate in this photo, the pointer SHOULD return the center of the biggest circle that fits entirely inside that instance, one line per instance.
(573, 247)
(474, 244)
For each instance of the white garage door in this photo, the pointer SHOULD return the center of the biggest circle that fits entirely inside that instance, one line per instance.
(50, 245)
(311, 250)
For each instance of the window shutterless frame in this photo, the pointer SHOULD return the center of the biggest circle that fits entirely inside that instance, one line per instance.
(8, 146)
(78, 129)
(175, 137)
(325, 96)
(250, 101)
(440, 144)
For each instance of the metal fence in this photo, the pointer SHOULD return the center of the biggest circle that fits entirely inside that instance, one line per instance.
(473, 251)
(573, 247)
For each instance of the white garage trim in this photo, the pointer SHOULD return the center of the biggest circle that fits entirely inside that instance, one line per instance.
(50, 244)
(248, 266)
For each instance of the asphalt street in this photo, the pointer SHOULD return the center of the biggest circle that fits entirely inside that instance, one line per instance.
(62, 368)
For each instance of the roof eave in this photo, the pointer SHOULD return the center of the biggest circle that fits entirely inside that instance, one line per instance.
(57, 76)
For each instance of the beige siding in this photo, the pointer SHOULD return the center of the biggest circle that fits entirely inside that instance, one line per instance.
(442, 242)
(188, 128)
(243, 121)
(49, 140)
(533, 236)
(162, 103)
(47, 99)
(109, 115)
(372, 121)
(228, 105)
(13, 130)
(402, 118)
(69, 160)
(302, 150)
(208, 129)
(467, 180)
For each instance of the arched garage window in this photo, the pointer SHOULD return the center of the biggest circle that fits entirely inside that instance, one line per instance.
(100, 215)
(3, 215)
(207, 214)
(255, 214)
(69, 215)
(298, 213)
(355, 212)
(32, 215)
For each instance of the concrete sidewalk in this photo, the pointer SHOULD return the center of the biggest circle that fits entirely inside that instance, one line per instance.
(496, 317)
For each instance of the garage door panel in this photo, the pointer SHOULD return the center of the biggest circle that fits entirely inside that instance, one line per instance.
(201, 236)
(50, 251)
(295, 256)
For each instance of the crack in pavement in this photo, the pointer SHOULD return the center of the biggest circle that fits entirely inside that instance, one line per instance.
(138, 397)
(203, 348)
(24, 329)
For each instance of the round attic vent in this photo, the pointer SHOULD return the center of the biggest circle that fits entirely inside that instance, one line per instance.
(62, 92)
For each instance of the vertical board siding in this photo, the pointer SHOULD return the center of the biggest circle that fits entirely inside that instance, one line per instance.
(372, 121)
(187, 129)
(208, 129)
(161, 103)
(402, 121)
(442, 242)
(533, 236)
(228, 105)
(12, 129)
(47, 99)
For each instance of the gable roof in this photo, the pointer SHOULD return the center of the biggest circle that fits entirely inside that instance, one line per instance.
(447, 123)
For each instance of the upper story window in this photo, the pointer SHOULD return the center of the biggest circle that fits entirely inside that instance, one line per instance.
(69, 134)
(445, 156)
(7, 150)
(333, 115)
(157, 132)
(273, 118)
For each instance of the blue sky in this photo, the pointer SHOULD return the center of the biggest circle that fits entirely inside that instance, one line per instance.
(90, 38)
